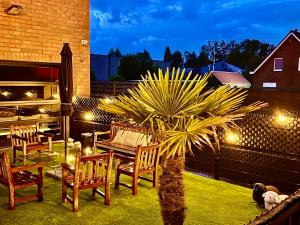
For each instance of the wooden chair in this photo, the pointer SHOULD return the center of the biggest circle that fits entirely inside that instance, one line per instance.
(27, 138)
(91, 172)
(145, 162)
(19, 177)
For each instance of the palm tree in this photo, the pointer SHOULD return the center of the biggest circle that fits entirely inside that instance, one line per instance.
(181, 114)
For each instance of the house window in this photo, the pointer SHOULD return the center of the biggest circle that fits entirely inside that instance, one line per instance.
(299, 64)
(269, 85)
(278, 64)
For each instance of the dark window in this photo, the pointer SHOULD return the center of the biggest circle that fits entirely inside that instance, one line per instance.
(278, 64)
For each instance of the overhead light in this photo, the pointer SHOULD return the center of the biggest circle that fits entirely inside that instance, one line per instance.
(14, 9)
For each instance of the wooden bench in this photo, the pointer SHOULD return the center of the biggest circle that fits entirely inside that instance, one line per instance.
(109, 144)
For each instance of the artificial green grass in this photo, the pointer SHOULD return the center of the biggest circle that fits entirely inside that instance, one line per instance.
(208, 202)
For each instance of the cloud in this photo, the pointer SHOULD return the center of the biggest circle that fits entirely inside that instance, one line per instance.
(147, 40)
(133, 25)
(177, 7)
(102, 17)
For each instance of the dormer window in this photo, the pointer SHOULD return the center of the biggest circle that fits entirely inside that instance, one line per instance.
(278, 64)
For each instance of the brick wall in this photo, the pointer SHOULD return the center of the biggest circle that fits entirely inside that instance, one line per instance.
(39, 31)
(289, 77)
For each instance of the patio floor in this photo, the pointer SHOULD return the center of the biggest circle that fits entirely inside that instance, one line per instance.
(208, 202)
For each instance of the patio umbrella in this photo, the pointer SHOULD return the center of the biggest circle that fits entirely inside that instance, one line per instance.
(66, 88)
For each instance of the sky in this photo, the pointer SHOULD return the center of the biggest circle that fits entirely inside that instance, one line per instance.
(135, 25)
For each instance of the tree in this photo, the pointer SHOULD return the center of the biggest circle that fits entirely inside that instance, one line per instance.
(177, 60)
(191, 59)
(168, 55)
(116, 52)
(193, 120)
(203, 59)
(132, 66)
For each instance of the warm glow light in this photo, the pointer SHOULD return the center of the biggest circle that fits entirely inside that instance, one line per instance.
(88, 116)
(29, 94)
(71, 161)
(73, 98)
(232, 138)
(42, 110)
(6, 93)
(87, 151)
(108, 100)
(55, 96)
(282, 118)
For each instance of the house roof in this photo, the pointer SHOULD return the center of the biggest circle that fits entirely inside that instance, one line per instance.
(219, 66)
(293, 33)
(234, 78)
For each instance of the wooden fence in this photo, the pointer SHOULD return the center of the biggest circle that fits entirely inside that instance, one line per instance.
(100, 89)
(266, 149)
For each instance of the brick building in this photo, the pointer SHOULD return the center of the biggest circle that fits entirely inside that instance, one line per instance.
(36, 36)
(281, 69)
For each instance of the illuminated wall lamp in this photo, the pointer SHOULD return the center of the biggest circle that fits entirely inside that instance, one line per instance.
(88, 116)
(14, 9)
(282, 118)
(29, 94)
(232, 138)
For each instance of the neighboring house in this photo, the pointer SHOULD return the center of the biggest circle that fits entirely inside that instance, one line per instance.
(219, 66)
(234, 79)
(222, 73)
(105, 66)
(162, 64)
(281, 69)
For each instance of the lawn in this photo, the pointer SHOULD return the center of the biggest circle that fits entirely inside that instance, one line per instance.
(208, 202)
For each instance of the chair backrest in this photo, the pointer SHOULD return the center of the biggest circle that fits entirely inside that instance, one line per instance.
(30, 131)
(147, 157)
(92, 168)
(5, 174)
(116, 126)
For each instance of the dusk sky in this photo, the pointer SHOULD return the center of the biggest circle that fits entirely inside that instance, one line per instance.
(134, 25)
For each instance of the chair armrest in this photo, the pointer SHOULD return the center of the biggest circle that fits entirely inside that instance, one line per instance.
(46, 134)
(67, 167)
(102, 132)
(27, 167)
(124, 157)
(18, 137)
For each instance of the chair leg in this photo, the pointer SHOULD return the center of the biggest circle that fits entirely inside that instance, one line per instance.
(63, 192)
(117, 180)
(134, 185)
(154, 182)
(12, 202)
(75, 200)
(94, 191)
(40, 192)
(107, 193)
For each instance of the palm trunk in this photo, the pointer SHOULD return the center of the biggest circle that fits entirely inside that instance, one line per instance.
(171, 192)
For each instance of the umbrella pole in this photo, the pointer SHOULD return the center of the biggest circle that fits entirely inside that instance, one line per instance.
(65, 131)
